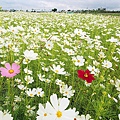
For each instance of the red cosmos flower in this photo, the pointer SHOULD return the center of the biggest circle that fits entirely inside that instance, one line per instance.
(85, 75)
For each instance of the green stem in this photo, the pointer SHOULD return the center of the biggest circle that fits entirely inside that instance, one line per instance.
(73, 75)
(12, 94)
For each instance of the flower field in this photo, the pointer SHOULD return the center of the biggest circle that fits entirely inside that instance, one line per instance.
(58, 66)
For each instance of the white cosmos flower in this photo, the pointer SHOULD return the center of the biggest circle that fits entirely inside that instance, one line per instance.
(43, 113)
(26, 61)
(77, 117)
(2, 30)
(117, 84)
(57, 109)
(39, 92)
(87, 117)
(27, 71)
(57, 69)
(21, 87)
(66, 42)
(119, 116)
(41, 77)
(87, 84)
(102, 86)
(29, 79)
(35, 30)
(13, 29)
(78, 61)
(20, 28)
(49, 45)
(62, 63)
(47, 80)
(115, 59)
(118, 50)
(119, 96)
(17, 99)
(112, 98)
(93, 70)
(69, 51)
(55, 38)
(112, 39)
(95, 63)
(101, 54)
(5, 116)
(79, 32)
(106, 64)
(59, 82)
(45, 69)
(30, 110)
(30, 55)
(67, 91)
(31, 93)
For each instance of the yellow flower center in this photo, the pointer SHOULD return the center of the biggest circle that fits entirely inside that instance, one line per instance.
(56, 71)
(39, 93)
(59, 114)
(11, 71)
(9, 45)
(86, 75)
(28, 80)
(78, 60)
(31, 95)
(106, 65)
(66, 92)
(26, 60)
(45, 114)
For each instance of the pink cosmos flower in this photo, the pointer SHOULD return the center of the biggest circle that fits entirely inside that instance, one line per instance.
(10, 71)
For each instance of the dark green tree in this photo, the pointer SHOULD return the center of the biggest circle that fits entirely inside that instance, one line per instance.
(54, 9)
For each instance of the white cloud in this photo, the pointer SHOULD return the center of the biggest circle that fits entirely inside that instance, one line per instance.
(60, 4)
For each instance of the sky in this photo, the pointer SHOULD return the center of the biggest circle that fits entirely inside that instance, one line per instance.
(59, 4)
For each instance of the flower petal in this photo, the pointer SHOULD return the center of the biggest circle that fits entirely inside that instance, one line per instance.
(54, 101)
(11, 75)
(51, 117)
(81, 74)
(70, 113)
(64, 102)
(39, 117)
(88, 117)
(15, 66)
(4, 71)
(17, 71)
(8, 66)
(41, 110)
(49, 108)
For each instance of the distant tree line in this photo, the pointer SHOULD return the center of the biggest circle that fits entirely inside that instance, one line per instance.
(0, 8)
(99, 10)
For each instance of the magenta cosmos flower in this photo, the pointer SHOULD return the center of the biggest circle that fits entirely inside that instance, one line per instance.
(10, 71)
